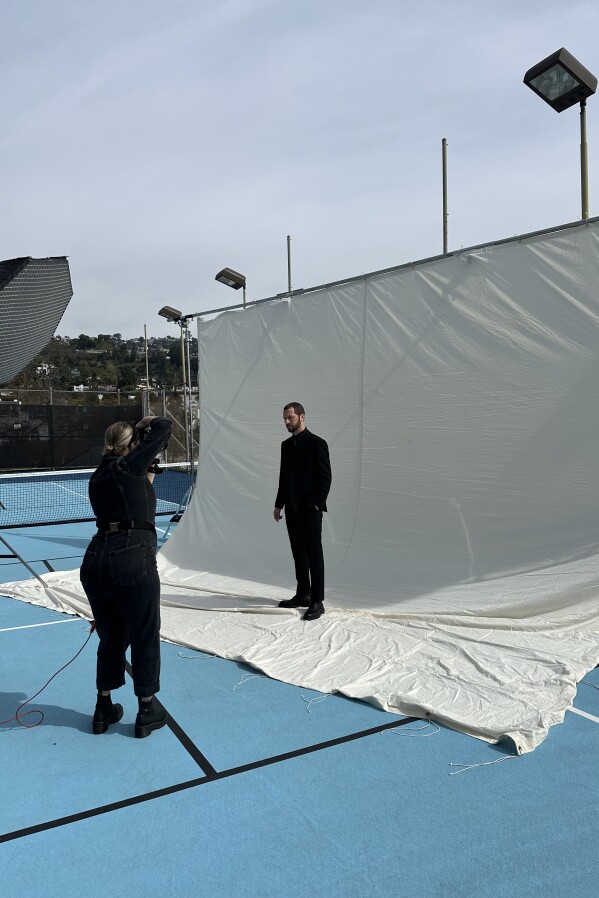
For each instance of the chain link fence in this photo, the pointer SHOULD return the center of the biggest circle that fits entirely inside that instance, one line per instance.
(57, 429)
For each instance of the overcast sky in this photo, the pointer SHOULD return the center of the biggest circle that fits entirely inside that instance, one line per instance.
(154, 142)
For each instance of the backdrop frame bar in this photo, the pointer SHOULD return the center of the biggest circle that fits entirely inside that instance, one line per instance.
(517, 238)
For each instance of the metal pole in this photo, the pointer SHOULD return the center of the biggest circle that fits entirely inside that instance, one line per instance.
(199, 414)
(444, 159)
(244, 295)
(183, 325)
(188, 341)
(288, 263)
(15, 554)
(163, 410)
(147, 366)
(584, 161)
(50, 414)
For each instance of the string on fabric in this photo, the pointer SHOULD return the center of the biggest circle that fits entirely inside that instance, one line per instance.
(18, 715)
(588, 683)
(320, 698)
(246, 678)
(414, 732)
(203, 657)
(466, 767)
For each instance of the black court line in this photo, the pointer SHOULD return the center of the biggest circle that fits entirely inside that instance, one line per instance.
(183, 738)
(201, 781)
(188, 745)
(46, 562)
(35, 561)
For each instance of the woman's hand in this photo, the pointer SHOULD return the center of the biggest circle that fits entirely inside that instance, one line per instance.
(145, 422)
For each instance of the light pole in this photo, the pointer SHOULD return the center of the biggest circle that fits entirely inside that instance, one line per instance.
(561, 80)
(232, 279)
(444, 173)
(146, 410)
(182, 320)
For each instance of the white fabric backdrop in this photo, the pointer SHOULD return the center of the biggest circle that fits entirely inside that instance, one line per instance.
(459, 398)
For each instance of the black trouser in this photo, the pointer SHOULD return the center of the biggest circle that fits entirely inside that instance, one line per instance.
(305, 536)
(120, 579)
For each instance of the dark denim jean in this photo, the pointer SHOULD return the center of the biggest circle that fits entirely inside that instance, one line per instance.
(120, 580)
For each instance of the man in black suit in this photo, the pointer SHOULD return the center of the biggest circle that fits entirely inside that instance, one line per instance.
(304, 484)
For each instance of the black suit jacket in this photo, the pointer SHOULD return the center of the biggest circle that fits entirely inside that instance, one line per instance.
(305, 474)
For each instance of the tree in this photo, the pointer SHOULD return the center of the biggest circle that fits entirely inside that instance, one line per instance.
(128, 377)
(85, 342)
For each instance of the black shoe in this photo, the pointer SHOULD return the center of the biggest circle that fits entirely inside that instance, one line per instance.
(103, 717)
(314, 612)
(296, 602)
(147, 721)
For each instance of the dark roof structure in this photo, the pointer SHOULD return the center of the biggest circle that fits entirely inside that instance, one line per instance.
(34, 294)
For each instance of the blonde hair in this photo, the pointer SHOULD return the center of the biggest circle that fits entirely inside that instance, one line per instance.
(118, 437)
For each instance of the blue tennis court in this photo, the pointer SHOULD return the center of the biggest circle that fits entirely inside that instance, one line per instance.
(61, 496)
(261, 789)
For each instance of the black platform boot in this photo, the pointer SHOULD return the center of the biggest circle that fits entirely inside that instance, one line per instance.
(105, 714)
(149, 717)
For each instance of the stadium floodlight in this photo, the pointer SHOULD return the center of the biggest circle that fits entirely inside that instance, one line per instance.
(561, 80)
(170, 314)
(232, 279)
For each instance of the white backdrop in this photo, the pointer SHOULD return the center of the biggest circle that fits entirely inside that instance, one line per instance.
(460, 401)
(459, 398)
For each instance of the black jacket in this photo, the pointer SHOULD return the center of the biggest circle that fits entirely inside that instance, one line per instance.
(305, 474)
(119, 489)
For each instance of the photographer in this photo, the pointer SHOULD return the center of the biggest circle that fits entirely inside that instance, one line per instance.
(119, 573)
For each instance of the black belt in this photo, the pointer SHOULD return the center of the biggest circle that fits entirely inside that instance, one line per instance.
(117, 526)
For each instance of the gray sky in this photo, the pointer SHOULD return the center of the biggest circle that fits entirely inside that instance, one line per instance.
(155, 142)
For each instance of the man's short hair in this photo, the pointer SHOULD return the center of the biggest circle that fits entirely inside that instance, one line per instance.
(297, 407)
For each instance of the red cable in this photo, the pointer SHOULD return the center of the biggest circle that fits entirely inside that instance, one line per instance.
(30, 726)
